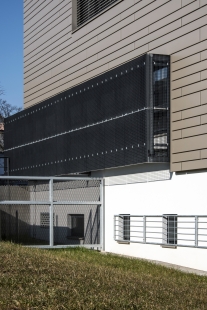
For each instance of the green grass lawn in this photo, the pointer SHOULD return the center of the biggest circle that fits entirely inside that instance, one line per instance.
(83, 279)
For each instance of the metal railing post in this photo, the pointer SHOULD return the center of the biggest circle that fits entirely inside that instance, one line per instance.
(114, 227)
(196, 230)
(144, 229)
(0, 225)
(51, 212)
(101, 214)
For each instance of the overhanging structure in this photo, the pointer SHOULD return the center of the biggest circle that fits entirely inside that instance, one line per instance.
(117, 119)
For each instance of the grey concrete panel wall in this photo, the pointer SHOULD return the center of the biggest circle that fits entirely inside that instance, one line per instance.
(56, 58)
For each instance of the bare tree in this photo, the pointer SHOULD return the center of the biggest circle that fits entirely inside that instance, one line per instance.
(1, 135)
(1, 90)
(6, 110)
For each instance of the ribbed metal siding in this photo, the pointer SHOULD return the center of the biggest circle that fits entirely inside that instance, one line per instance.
(86, 9)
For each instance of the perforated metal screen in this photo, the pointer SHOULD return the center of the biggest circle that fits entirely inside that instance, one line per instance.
(116, 119)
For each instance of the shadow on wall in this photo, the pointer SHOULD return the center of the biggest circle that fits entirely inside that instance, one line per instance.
(15, 228)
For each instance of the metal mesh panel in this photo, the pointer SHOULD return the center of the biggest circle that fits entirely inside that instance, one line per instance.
(76, 190)
(22, 224)
(117, 119)
(26, 205)
(24, 190)
(86, 9)
(76, 224)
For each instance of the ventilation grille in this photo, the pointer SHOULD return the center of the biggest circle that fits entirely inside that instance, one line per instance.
(86, 9)
(45, 219)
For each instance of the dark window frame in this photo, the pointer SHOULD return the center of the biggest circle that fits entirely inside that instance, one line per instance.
(171, 228)
(76, 232)
(126, 226)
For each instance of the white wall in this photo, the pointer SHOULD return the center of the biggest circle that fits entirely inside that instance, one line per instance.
(182, 195)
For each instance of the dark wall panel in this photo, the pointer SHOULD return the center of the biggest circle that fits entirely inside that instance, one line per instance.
(112, 120)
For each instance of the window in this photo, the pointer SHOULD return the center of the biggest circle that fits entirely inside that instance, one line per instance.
(45, 219)
(125, 226)
(170, 229)
(160, 74)
(84, 10)
(76, 225)
(160, 102)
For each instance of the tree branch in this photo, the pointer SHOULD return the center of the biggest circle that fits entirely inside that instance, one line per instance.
(6, 110)
(1, 90)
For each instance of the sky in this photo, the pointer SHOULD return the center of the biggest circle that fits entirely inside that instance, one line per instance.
(11, 51)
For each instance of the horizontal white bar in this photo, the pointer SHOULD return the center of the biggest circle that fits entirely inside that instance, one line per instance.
(163, 215)
(36, 178)
(76, 202)
(91, 246)
(24, 202)
(28, 202)
(163, 244)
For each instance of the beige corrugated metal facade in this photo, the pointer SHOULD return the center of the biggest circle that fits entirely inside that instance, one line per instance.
(57, 58)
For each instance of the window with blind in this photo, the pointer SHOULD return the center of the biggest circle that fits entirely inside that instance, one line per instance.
(170, 229)
(84, 10)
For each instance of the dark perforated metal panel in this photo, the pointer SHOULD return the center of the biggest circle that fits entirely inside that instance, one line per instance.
(116, 119)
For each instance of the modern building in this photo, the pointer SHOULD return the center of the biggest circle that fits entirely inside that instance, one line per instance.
(118, 89)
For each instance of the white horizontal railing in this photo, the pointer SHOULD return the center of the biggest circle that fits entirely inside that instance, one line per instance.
(166, 230)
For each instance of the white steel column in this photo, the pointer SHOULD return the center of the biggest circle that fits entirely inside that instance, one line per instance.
(0, 225)
(196, 230)
(102, 214)
(144, 229)
(51, 212)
